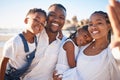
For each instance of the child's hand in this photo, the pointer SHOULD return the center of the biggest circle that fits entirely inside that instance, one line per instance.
(60, 35)
(56, 76)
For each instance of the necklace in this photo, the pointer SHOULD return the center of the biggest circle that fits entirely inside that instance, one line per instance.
(93, 47)
(101, 47)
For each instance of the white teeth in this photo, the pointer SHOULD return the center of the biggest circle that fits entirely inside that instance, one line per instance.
(94, 32)
(55, 24)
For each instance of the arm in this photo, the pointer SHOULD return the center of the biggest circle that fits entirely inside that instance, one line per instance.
(114, 16)
(3, 64)
(69, 48)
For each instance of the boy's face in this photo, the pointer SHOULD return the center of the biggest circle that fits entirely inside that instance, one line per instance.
(35, 22)
(56, 19)
(83, 37)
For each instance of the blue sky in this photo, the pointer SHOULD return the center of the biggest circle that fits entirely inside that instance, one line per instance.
(12, 12)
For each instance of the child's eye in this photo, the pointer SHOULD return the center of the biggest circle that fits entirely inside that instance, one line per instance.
(85, 36)
(36, 20)
(42, 24)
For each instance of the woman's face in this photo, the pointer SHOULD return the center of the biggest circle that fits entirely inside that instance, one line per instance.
(98, 27)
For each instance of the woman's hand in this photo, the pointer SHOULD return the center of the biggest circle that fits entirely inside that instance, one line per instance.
(114, 15)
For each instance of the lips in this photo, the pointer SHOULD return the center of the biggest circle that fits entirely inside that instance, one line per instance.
(95, 32)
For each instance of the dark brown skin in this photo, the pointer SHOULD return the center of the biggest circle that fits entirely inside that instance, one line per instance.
(3, 64)
(114, 16)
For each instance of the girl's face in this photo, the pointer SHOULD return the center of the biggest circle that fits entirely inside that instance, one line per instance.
(98, 27)
(83, 37)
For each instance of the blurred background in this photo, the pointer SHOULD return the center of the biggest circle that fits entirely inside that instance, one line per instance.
(13, 12)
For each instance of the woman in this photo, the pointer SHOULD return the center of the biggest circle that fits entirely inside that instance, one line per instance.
(96, 61)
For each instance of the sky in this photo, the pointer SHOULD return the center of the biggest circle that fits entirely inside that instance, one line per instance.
(12, 12)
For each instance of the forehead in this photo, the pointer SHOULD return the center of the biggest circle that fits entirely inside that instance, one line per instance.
(82, 31)
(37, 15)
(58, 10)
(97, 17)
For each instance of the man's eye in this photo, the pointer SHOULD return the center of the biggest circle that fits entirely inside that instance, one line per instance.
(63, 18)
(52, 15)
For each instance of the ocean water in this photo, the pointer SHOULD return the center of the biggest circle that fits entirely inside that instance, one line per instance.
(6, 33)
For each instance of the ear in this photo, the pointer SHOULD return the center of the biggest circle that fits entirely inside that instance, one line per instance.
(26, 20)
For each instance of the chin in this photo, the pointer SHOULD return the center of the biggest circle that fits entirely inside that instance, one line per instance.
(54, 31)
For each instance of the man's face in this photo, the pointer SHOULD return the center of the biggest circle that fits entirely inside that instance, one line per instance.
(56, 19)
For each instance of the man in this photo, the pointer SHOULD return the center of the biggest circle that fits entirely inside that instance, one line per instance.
(48, 47)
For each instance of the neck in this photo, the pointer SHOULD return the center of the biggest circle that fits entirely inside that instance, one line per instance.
(101, 43)
(29, 36)
(51, 35)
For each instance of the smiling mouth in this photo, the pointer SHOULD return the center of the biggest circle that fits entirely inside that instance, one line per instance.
(55, 24)
(95, 32)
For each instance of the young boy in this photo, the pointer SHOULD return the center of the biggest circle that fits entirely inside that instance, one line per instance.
(19, 51)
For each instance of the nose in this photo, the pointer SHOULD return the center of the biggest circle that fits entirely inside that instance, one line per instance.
(56, 18)
(94, 27)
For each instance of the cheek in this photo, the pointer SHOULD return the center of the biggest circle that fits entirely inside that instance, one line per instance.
(63, 22)
(89, 40)
(89, 29)
(77, 40)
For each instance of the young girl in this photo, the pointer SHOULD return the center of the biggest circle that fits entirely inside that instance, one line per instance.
(19, 51)
(69, 51)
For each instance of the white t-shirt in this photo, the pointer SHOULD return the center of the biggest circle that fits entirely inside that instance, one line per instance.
(62, 63)
(103, 66)
(98, 67)
(14, 50)
(46, 58)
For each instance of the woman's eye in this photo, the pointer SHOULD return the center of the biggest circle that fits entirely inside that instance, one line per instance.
(99, 23)
(90, 25)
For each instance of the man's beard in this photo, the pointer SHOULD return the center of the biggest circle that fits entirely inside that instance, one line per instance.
(53, 31)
